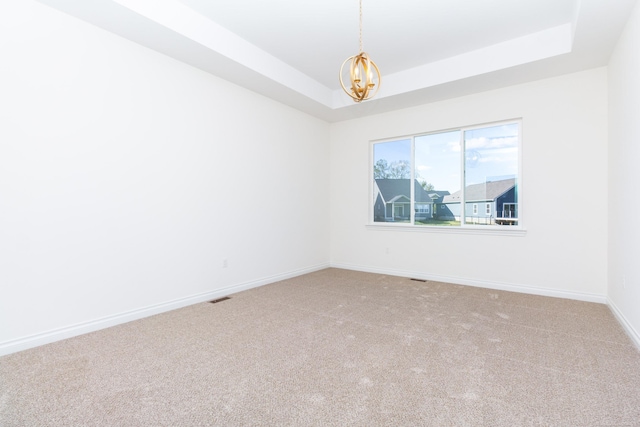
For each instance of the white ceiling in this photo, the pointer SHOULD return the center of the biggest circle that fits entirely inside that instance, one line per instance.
(427, 50)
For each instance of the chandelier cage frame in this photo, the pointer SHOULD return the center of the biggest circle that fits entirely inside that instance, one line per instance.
(364, 74)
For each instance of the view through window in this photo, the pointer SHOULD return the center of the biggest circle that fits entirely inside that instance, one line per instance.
(461, 177)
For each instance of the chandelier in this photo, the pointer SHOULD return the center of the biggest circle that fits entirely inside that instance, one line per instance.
(364, 76)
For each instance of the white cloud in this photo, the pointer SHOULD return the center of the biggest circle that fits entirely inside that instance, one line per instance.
(491, 143)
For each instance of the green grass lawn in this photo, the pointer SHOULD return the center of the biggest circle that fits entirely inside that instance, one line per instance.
(437, 222)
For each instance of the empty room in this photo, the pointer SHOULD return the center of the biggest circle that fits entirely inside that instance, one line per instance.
(234, 213)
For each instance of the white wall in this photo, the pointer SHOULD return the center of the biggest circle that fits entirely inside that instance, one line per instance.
(624, 176)
(126, 177)
(564, 193)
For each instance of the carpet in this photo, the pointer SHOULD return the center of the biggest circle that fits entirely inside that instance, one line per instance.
(338, 348)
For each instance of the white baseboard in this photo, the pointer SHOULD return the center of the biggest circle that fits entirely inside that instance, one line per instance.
(633, 334)
(580, 296)
(47, 337)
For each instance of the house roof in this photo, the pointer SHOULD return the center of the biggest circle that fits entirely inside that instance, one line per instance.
(485, 191)
(436, 196)
(393, 189)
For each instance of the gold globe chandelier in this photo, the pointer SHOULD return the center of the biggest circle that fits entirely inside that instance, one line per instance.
(364, 75)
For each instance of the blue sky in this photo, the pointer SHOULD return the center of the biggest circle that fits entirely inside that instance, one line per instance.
(491, 154)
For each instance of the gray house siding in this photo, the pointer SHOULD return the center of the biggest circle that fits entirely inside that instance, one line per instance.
(509, 197)
(451, 211)
(379, 209)
(448, 211)
(494, 193)
(480, 216)
(392, 201)
(393, 204)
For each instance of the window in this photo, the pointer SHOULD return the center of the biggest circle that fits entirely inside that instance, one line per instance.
(509, 210)
(440, 178)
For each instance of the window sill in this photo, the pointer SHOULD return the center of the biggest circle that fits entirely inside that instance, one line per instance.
(492, 230)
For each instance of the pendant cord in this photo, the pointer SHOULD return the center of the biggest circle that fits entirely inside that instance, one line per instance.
(361, 49)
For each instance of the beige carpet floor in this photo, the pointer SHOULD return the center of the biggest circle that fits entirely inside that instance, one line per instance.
(338, 348)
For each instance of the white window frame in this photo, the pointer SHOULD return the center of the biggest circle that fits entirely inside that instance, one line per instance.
(464, 227)
(487, 209)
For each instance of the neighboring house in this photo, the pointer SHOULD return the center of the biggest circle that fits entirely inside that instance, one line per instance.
(486, 203)
(393, 202)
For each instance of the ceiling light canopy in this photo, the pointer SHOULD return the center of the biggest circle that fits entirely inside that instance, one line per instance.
(364, 75)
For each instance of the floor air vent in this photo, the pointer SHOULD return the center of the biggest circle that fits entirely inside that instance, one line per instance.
(219, 299)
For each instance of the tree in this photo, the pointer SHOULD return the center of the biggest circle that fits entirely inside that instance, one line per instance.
(381, 169)
(396, 170)
(426, 185)
(400, 170)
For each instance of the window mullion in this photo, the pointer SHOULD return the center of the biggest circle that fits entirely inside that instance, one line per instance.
(412, 189)
(463, 178)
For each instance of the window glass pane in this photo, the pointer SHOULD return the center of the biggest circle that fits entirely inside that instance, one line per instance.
(491, 171)
(392, 183)
(437, 174)
(462, 177)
